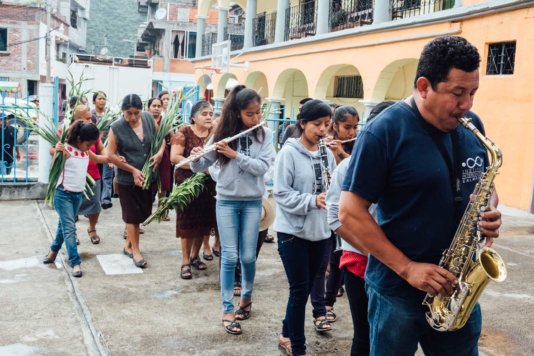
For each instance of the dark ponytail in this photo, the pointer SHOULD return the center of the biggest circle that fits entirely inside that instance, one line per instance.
(81, 131)
(230, 122)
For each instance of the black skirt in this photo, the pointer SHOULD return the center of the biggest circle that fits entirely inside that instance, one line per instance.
(136, 203)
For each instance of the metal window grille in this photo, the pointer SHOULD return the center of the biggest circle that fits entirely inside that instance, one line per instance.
(501, 58)
(348, 86)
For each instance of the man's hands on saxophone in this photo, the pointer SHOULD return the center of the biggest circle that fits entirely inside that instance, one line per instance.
(429, 278)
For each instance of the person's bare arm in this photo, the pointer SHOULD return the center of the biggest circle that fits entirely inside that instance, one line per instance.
(354, 215)
(178, 149)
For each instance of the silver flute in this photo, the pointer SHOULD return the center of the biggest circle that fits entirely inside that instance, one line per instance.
(213, 147)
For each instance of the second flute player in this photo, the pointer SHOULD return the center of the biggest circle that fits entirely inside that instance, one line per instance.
(240, 187)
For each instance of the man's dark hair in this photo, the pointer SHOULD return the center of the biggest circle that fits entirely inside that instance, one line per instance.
(442, 54)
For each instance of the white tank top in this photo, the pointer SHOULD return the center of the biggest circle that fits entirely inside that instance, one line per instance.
(75, 170)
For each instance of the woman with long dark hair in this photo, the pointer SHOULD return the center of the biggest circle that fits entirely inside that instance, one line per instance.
(240, 187)
(303, 231)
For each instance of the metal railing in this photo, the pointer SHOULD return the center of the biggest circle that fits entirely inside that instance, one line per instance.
(19, 149)
(301, 20)
(401, 9)
(264, 28)
(208, 39)
(350, 13)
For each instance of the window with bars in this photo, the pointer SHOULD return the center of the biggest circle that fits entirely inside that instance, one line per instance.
(501, 58)
(348, 86)
(3, 39)
(74, 18)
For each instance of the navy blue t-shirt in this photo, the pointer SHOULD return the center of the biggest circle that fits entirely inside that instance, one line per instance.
(396, 164)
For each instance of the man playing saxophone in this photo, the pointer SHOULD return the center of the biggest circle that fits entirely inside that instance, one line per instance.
(420, 167)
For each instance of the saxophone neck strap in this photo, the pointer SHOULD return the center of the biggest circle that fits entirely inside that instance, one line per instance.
(453, 165)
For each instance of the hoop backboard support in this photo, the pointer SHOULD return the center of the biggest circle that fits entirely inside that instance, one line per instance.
(220, 56)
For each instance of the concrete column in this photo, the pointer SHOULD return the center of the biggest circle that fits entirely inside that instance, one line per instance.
(222, 23)
(382, 11)
(252, 7)
(46, 92)
(323, 13)
(201, 29)
(217, 105)
(281, 9)
(369, 105)
(167, 48)
(274, 115)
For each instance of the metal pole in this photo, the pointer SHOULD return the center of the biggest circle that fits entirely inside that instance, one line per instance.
(47, 48)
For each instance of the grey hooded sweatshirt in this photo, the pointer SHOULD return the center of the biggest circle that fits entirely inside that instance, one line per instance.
(297, 182)
(242, 178)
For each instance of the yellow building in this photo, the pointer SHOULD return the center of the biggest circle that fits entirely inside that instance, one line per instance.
(362, 52)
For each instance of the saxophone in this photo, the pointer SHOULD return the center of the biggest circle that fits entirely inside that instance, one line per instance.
(472, 264)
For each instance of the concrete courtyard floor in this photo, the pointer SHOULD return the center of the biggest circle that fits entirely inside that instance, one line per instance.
(119, 310)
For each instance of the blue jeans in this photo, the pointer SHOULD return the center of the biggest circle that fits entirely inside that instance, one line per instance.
(317, 293)
(238, 223)
(398, 324)
(301, 259)
(67, 205)
(107, 183)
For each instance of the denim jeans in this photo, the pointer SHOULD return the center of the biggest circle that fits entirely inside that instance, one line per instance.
(317, 293)
(107, 184)
(335, 278)
(67, 205)
(301, 259)
(397, 324)
(238, 222)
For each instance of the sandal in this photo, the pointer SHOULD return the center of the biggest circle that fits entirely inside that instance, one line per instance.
(285, 344)
(330, 315)
(198, 264)
(233, 328)
(269, 238)
(185, 271)
(207, 257)
(217, 253)
(95, 239)
(129, 254)
(237, 289)
(242, 313)
(321, 324)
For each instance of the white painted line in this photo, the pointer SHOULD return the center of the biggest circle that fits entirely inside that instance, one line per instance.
(27, 262)
(18, 350)
(117, 264)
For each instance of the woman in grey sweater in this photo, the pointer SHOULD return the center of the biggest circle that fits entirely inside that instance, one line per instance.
(240, 187)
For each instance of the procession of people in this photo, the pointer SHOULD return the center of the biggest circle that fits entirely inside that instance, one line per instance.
(367, 211)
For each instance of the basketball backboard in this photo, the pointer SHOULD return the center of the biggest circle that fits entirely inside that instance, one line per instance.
(220, 56)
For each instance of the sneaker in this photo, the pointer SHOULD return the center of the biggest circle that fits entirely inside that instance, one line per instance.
(106, 205)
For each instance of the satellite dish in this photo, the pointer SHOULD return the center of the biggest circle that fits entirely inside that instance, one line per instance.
(104, 51)
(160, 14)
